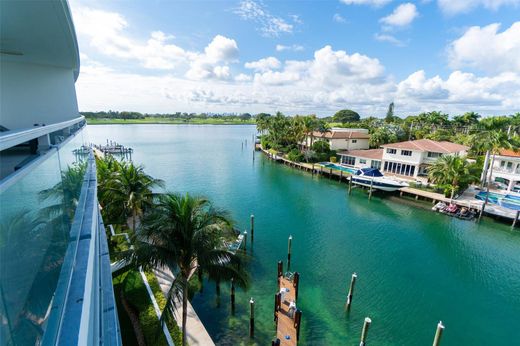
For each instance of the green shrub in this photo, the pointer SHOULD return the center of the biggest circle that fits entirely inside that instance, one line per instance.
(295, 155)
(333, 159)
(321, 147)
(265, 143)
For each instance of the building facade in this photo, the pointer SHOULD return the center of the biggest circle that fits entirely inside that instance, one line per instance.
(408, 160)
(506, 171)
(55, 278)
(341, 139)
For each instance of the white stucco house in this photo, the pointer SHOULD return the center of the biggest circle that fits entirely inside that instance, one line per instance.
(341, 138)
(506, 171)
(408, 160)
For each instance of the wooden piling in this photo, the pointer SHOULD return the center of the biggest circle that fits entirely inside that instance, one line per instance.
(330, 173)
(280, 269)
(351, 291)
(297, 322)
(296, 284)
(313, 169)
(438, 334)
(252, 318)
(350, 185)
(364, 331)
(340, 175)
(277, 305)
(289, 245)
(245, 240)
(275, 342)
(252, 227)
(232, 295)
(516, 218)
(371, 188)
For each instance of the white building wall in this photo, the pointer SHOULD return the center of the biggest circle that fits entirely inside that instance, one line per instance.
(31, 93)
(348, 144)
(415, 159)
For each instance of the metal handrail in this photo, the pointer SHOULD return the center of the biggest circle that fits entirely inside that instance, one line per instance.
(11, 138)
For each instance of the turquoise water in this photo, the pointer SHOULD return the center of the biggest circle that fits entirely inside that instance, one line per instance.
(414, 267)
(339, 167)
(508, 201)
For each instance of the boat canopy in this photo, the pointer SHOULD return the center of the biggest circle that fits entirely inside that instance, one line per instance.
(369, 172)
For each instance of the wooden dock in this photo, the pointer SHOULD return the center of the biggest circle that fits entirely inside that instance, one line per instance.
(285, 324)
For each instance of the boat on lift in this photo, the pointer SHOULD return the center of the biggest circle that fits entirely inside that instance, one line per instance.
(373, 177)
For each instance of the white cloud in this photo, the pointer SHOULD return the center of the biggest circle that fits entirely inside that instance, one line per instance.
(375, 3)
(270, 25)
(487, 49)
(264, 65)
(242, 77)
(222, 49)
(338, 18)
(390, 39)
(402, 15)
(452, 7)
(294, 48)
(105, 32)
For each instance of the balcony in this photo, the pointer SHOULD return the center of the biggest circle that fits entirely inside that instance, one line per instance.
(55, 281)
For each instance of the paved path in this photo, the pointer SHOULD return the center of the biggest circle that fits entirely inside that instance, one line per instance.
(197, 333)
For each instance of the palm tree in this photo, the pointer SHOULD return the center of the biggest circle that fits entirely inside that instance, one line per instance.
(451, 171)
(491, 142)
(186, 234)
(131, 188)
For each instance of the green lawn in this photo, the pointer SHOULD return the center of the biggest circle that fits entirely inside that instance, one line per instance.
(153, 120)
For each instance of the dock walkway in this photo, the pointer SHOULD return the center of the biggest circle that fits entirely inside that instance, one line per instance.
(285, 326)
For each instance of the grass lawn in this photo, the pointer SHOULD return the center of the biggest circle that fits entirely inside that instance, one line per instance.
(154, 120)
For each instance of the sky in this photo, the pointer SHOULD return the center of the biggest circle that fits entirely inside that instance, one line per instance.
(299, 57)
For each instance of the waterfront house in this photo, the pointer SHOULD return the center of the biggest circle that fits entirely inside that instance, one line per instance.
(341, 138)
(408, 160)
(55, 275)
(506, 171)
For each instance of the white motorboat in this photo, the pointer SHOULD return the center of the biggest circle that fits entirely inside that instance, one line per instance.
(373, 177)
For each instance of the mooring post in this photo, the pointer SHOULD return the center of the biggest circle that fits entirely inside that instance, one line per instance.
(297, 323)
(370, 192)
(313, 169)
(245, 240)
(280, 270)
(275, 342)
(438, 334)
(252, 318)
(296, 284)
(350, 185)
(232, 295)
(289, 253)
(364, 332)
(516, 218)
(277, 306)
(340, 175)
(351, 291)
(252, 227)
(330, 173)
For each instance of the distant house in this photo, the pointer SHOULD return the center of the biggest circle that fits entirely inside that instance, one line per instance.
(341, 138)
(409, 160)
(506, 171)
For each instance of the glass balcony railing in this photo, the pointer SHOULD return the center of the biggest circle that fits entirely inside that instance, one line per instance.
(42, 225)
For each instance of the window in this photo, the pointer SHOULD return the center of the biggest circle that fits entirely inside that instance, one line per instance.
(434, 155)
(376, 164)
(391, 151)
(509, 165)
(348, 160)
(354, 141)
(395, 167)
(502, 164)
(406, 152)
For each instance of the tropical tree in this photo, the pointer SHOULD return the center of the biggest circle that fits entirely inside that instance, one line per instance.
(132, 189)
(381, 136)
(390, 113)
(345, 116)
(452, 172)
(186, 234)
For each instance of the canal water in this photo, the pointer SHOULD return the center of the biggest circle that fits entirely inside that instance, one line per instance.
(414, 267)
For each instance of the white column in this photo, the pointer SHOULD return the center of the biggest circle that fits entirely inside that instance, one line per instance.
(511, 184)
(44, 143)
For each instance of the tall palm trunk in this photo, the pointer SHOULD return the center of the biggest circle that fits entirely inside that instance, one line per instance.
(134, 216)
(184, 310)
(487, 188)
(483, 177)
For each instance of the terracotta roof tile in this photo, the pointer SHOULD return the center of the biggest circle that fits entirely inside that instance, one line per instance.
(509, 152)
(428, 145)
(341, 135)
(374, 154)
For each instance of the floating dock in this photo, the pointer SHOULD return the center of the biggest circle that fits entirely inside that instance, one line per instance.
(287, 316)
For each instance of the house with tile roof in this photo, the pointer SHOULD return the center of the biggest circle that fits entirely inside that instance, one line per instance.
(340, 138)
(506, 171)
(408, 160)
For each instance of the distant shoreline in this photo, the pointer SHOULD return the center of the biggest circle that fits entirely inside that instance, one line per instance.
(167, 122)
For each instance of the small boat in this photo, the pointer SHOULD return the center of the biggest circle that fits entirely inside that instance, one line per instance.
(373, 177)
(235, 245)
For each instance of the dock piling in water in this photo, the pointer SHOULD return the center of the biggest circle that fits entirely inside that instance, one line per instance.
(252, 227)
(351, 291)
(516, 218)
(438, 334)
(296, 284)
(364, 331)
(252, 318)
(289, 245)
(232, 296)
(245, 240)
(371, 188)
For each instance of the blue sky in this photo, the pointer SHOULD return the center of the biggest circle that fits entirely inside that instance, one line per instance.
(299, 57)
